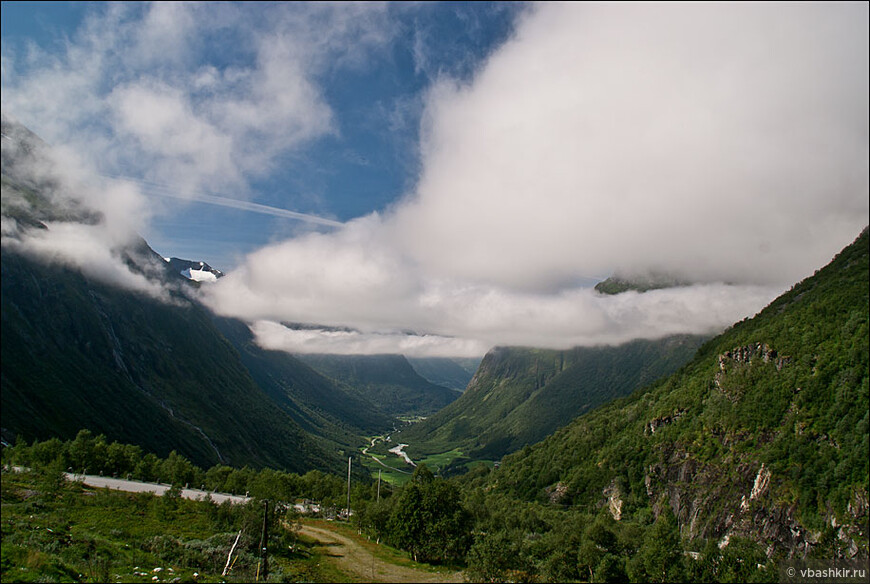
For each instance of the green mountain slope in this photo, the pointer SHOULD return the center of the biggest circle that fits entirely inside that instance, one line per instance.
(80, 354)
(318, 404)
(518, 395)
(763, 435)
(446, 372)
(388, 381)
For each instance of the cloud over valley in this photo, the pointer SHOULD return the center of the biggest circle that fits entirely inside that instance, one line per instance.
(724, 145)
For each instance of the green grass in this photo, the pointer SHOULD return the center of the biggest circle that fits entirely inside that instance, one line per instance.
(437, 462)
(395, 471)
(55, 531)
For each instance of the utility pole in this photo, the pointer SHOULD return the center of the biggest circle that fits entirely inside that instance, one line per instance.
(348, 487)
(379, 484)
(264, 542)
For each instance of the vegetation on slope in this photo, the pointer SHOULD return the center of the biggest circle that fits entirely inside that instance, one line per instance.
(519, 396)
(446, 372)
(641, 283)
(80, 353)
(388, 381)
(763, 435)
(56, 531)
(318, 404)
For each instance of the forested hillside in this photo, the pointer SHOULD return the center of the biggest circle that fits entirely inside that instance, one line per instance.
(763, 436)
(318, 404)
(81, 354)
(388, 381)
(148, 368)
(519, 396)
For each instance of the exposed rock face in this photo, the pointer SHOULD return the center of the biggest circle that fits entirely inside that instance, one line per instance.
(614, 500)
(657, 423)
(762, 480)
(557, 493)
(747, 353)
(695, 491)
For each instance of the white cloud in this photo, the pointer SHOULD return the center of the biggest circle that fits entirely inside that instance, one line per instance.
(87, 248)
(717, 142)
(274, 336)
(721, 142)
(714, 142)
(351, 275)
(138, 89)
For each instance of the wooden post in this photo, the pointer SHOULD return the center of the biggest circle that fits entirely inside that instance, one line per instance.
(348, 487)
(232, 549)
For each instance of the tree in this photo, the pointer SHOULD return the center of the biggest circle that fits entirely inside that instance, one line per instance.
(660, 557)
(177, 470)
(611, 568)
(494, 555)
(429, 521)
(599, 540)
(81, 451)
(741, 560)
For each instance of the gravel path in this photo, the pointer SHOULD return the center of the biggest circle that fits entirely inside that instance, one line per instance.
(351, 557)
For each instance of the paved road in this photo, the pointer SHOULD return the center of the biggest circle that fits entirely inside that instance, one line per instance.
(157, 488)
(351, 557)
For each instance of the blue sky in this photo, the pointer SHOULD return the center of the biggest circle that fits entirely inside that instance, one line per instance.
(369, 157)
(462, 171)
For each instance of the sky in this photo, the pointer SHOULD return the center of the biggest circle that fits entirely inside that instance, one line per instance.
(440, 178)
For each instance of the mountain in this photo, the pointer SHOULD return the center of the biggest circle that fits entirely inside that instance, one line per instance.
(446, 372)
(617, 284)
(80, 353)
(763, 435)
(319, 404)
(519, 395)
(388, 381)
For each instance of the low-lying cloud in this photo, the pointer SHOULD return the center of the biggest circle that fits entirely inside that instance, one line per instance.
(275, 336)
(86, 248)
(714, 143)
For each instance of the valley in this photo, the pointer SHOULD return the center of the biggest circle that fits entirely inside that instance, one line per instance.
(700, 460)
(516, 359)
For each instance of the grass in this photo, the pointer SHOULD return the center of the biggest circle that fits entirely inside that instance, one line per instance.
(393, 469)
(397, 472)
(394, 472)
(59, 532)
(437, 462)
(56, 531)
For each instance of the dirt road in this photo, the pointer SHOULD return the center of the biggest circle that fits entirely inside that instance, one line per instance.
(157, 489)
(351, 557)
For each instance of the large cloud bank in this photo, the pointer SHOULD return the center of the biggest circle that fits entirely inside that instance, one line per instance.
(724, 144)
(716, 143)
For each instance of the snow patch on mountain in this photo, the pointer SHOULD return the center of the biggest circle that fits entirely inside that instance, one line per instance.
(199, 275)
(195, 270)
